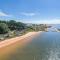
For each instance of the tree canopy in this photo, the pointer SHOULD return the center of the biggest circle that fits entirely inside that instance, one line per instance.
(3, 28)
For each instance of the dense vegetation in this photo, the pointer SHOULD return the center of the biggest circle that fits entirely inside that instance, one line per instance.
(11, 25)
(38, 27)
(12, 28)
(3, 28)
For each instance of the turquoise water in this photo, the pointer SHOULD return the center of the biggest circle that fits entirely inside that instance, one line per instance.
(44, 46)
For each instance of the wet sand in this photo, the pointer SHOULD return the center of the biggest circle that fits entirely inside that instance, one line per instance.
(9, 46)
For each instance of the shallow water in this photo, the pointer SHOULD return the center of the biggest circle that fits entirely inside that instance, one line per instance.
(45, 46)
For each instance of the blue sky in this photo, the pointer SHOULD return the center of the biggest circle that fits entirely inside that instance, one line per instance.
(31, 11)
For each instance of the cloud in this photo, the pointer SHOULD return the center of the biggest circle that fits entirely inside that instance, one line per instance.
(4, 14)
(52, 21)
(28, 14)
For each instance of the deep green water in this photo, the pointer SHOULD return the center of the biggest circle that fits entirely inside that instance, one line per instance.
(44, 46)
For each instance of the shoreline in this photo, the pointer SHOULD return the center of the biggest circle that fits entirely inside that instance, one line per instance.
(16, 39)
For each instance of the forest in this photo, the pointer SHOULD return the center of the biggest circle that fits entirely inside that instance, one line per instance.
(13, 28)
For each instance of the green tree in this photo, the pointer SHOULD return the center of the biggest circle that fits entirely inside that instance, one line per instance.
(3, 28)
(13, 25)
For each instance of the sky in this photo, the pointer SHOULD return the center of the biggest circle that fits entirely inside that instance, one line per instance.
(31, 11)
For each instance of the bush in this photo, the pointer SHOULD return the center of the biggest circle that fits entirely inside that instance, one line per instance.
(3, 28)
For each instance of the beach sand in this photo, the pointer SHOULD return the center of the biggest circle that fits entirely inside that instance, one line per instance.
(9, 46)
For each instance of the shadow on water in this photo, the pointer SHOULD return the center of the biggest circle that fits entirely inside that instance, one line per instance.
(45, 46)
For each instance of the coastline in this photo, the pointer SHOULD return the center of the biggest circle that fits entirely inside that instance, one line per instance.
(16, 39)
(9, 46)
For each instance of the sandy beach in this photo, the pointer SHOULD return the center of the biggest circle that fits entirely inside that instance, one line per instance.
(9, 46)
(16, 39)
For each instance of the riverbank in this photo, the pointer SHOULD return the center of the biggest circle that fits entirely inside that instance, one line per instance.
(16, 39)
(9, 46)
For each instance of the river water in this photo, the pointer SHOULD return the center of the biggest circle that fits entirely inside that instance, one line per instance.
(44, 46)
